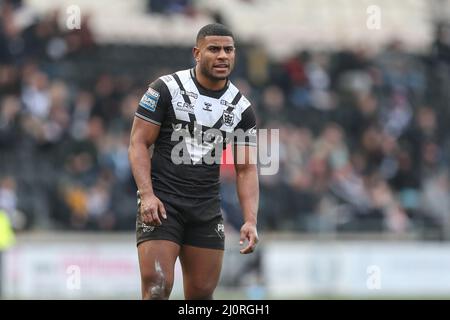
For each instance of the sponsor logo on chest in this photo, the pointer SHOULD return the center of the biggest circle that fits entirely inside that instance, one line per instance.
(184, 106)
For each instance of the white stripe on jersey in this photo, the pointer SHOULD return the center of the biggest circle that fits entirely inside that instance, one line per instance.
(207, 110)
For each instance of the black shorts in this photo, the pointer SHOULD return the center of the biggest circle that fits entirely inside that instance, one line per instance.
(195, 222)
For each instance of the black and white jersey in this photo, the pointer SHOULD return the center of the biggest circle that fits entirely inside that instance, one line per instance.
(196, 124)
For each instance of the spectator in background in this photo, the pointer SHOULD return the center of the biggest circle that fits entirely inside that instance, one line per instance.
(9, 204)
(170, 6)
(6, 240)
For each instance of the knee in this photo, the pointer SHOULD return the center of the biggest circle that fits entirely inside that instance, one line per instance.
(200, 291)
(156, 286)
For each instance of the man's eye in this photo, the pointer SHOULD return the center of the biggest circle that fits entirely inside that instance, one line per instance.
(213, 49)
(228, 50)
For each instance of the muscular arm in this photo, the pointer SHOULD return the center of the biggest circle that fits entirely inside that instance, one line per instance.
(143, 136)
(248, 193)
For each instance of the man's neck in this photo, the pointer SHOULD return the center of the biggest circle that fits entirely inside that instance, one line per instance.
(207, 83)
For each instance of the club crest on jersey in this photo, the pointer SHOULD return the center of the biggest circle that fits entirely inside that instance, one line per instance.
(228, 118)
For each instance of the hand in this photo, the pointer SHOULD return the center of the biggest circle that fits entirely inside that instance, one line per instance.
(151, 210)
(248, 231)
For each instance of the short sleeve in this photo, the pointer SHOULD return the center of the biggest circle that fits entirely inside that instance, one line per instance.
(154, 103)
(245, 132)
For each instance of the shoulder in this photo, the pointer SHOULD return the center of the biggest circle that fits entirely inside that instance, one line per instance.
(173, 81)
(238, 99)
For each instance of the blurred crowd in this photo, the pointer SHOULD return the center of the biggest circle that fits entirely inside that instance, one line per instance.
(363, 144)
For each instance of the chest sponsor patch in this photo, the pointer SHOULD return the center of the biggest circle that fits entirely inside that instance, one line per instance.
(184, 106)
(149, 100)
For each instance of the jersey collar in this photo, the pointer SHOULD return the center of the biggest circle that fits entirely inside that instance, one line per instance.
(206, 92)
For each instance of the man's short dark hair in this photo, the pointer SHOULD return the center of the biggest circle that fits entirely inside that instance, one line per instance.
(214, 29)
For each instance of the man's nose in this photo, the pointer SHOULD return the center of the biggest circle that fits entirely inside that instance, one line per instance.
(222, 54)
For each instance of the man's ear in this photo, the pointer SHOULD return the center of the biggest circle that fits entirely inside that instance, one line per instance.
(196, 53)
